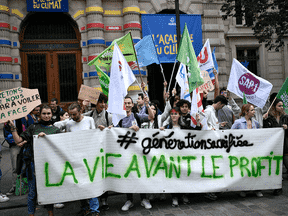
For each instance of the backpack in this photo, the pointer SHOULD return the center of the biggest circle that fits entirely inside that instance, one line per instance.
(8, 135)
(137, 119)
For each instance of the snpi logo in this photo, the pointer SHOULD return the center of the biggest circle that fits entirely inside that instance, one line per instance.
(172, 21)
(248, 84)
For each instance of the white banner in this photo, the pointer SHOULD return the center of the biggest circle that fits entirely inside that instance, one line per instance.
(85, 164)
(241, 80)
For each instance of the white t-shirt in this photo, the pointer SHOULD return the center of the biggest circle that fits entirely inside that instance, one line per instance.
(86, 123)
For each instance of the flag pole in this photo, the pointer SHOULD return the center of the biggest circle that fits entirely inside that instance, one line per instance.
(172, 74)
(159, 60)
(271, 105)
(162, 72)
(145, 93)
(136, 60)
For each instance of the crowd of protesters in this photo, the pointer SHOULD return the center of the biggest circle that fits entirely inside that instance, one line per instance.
(221, 113)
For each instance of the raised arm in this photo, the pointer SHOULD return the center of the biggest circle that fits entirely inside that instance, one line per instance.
(16, 136)
(150, 112)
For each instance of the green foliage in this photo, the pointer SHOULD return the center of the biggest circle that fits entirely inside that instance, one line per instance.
(268, 19)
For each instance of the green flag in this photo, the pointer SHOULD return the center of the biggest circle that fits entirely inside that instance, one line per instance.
(104, 80)
(244, 98)
(186, 55)
(283, 95)
(126, 46)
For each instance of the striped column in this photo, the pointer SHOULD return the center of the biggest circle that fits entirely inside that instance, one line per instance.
(131, 16)
(6, 75)
(95, 41)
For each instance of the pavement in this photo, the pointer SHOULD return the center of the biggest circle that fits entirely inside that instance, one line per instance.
(227, 204)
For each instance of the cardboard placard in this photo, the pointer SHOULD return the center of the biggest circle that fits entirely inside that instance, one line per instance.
(90, 93)
(208, 85)
(17, 103)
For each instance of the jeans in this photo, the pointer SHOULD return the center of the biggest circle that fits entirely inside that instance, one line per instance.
(14, 151)
(32, 195)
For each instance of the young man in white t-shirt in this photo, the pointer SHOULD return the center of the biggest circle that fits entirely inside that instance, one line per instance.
(79, 122)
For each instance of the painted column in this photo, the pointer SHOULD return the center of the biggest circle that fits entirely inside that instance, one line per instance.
(95, 40)
(6, 75)
(132, 23)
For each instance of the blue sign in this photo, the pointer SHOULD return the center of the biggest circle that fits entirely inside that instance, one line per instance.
(47, 5)
(163, 29)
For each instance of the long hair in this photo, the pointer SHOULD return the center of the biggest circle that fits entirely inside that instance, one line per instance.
(155, 116)
(273, 111)
(245, 108)
(177, 109)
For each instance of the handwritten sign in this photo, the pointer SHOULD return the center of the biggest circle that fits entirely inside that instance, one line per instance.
(90, 93)
(17, 103)
(208, 85)
(48, 5)
(120, 160)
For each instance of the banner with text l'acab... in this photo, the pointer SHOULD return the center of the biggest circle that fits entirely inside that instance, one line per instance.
(85, 164)
(241, 80)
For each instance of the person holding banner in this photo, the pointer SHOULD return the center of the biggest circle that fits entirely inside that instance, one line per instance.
(79, 122)
(42, 128)
(134, 121)
(247, 122)
(276, 117)
(175, 115)
(212, 121)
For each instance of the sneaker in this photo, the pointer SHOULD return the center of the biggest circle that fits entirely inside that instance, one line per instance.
(127, 206)
(211, 196)
(259, 194)
(58, 205)
(11, 191)
(105, 206)
(175, 202)
(146, 204)
(3, 198)
(185, 199)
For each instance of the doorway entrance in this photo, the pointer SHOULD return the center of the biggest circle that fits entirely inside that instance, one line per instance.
(51, 56)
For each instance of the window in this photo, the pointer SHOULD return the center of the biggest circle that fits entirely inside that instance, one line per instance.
(243, 12)
(248, 56)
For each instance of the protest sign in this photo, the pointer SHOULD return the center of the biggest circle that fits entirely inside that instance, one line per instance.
(85, 164)
(90, 93)
(208, 85)
(17, 103)
(241, 80)
(283, 95)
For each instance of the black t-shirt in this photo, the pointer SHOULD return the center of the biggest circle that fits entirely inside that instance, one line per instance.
(56, 115)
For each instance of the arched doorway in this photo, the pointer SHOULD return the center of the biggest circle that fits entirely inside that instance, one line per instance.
(51, 56)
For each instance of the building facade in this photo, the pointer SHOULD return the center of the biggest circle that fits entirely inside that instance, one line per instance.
(50, 50)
